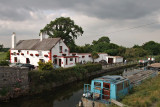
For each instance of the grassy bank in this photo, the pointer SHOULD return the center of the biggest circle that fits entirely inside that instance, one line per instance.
(145, 95)
(3, 55)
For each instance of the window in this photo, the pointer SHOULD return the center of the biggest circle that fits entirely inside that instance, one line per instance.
(60, 49)
(71, 59)
(97, 85)
(119, 86)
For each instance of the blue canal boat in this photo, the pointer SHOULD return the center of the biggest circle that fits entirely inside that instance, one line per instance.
(106, 88)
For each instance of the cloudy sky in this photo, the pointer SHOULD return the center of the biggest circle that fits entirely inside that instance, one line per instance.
(125, 22)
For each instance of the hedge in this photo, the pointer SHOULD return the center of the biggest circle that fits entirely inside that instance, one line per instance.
(62, 74)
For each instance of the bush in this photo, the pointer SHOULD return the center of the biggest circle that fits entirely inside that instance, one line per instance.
(4, 63)
(45, 66)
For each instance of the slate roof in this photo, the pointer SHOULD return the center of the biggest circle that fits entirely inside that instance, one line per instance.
(36, 44)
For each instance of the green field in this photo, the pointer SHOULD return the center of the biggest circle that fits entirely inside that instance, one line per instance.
(3, 55)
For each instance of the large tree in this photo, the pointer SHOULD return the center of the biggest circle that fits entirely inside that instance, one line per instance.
(65, 28)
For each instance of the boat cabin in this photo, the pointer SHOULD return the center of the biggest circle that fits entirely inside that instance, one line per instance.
(108, 87)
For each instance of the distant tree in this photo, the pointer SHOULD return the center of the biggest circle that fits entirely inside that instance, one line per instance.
(152, 47)
(94, 55)
(65, 28)
(103, 39)
(1, 47)
(135, 52)
(136, 46)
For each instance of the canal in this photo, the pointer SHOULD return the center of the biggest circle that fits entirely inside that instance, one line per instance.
(66, 96)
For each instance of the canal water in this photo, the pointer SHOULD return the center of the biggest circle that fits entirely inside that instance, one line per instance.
(66, 96)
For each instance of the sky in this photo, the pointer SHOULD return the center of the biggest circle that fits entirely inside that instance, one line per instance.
(125, 22)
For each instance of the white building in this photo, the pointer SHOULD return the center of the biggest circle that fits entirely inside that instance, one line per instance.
(114, 59)
(50, 49)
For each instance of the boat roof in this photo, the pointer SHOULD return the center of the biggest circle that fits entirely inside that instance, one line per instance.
(115, 79)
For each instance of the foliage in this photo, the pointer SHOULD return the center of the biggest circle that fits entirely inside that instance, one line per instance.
(152, 47)
(7, 57)
(94, 55)
(45, 65)
(65, 28)
(135, 52)
(4, 63)
(157, 58)
(103, 39)
(62, 74)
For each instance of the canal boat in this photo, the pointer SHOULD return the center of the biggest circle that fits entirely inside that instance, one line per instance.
(110, 88)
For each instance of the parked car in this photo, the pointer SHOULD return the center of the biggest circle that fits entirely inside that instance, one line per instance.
(31, 67)
(55, 66)
(14, 64)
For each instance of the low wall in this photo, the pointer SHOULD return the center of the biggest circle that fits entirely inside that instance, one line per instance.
(13, 81)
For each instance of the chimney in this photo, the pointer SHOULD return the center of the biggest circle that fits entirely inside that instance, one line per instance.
(13, 40)
(42, 36)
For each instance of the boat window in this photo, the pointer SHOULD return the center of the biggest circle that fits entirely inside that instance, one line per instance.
(119, 86)
(126, 84)
(97, 84)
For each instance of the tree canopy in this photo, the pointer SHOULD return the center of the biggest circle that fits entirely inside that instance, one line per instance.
(65, 28)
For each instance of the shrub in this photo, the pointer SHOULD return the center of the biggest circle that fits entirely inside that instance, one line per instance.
(4, 63)
(45, 66)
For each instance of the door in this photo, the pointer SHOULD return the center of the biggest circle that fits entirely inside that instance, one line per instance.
(27, 60)
(60, 61)
(15, 59)
(110, 60)
(106, 91)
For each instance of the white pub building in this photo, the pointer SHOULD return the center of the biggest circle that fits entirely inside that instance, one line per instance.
(47, 49)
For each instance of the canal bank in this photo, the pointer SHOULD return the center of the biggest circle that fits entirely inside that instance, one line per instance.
(64, 96)
(82, 75)
(42, 88)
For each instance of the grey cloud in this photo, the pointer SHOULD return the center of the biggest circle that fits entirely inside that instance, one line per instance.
(111, 9)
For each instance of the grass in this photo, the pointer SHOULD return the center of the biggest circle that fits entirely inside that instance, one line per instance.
(3, 55)
(145, 95)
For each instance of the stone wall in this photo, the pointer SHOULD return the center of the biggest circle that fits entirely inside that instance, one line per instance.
(13, 82)
(11, 76)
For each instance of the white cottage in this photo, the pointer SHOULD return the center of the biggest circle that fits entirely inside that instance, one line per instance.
(50, 49)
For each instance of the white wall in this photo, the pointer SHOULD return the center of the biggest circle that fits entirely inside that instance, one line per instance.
(116, 59)
(119, 59)
(56, 49)
(33, 59)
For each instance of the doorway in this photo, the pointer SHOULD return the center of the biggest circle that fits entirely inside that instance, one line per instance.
(15, 59)
(60, 61)
(27, 60)
(110, 60)
(106, 91)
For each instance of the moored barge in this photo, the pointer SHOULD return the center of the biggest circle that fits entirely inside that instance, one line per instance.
(106, 89)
